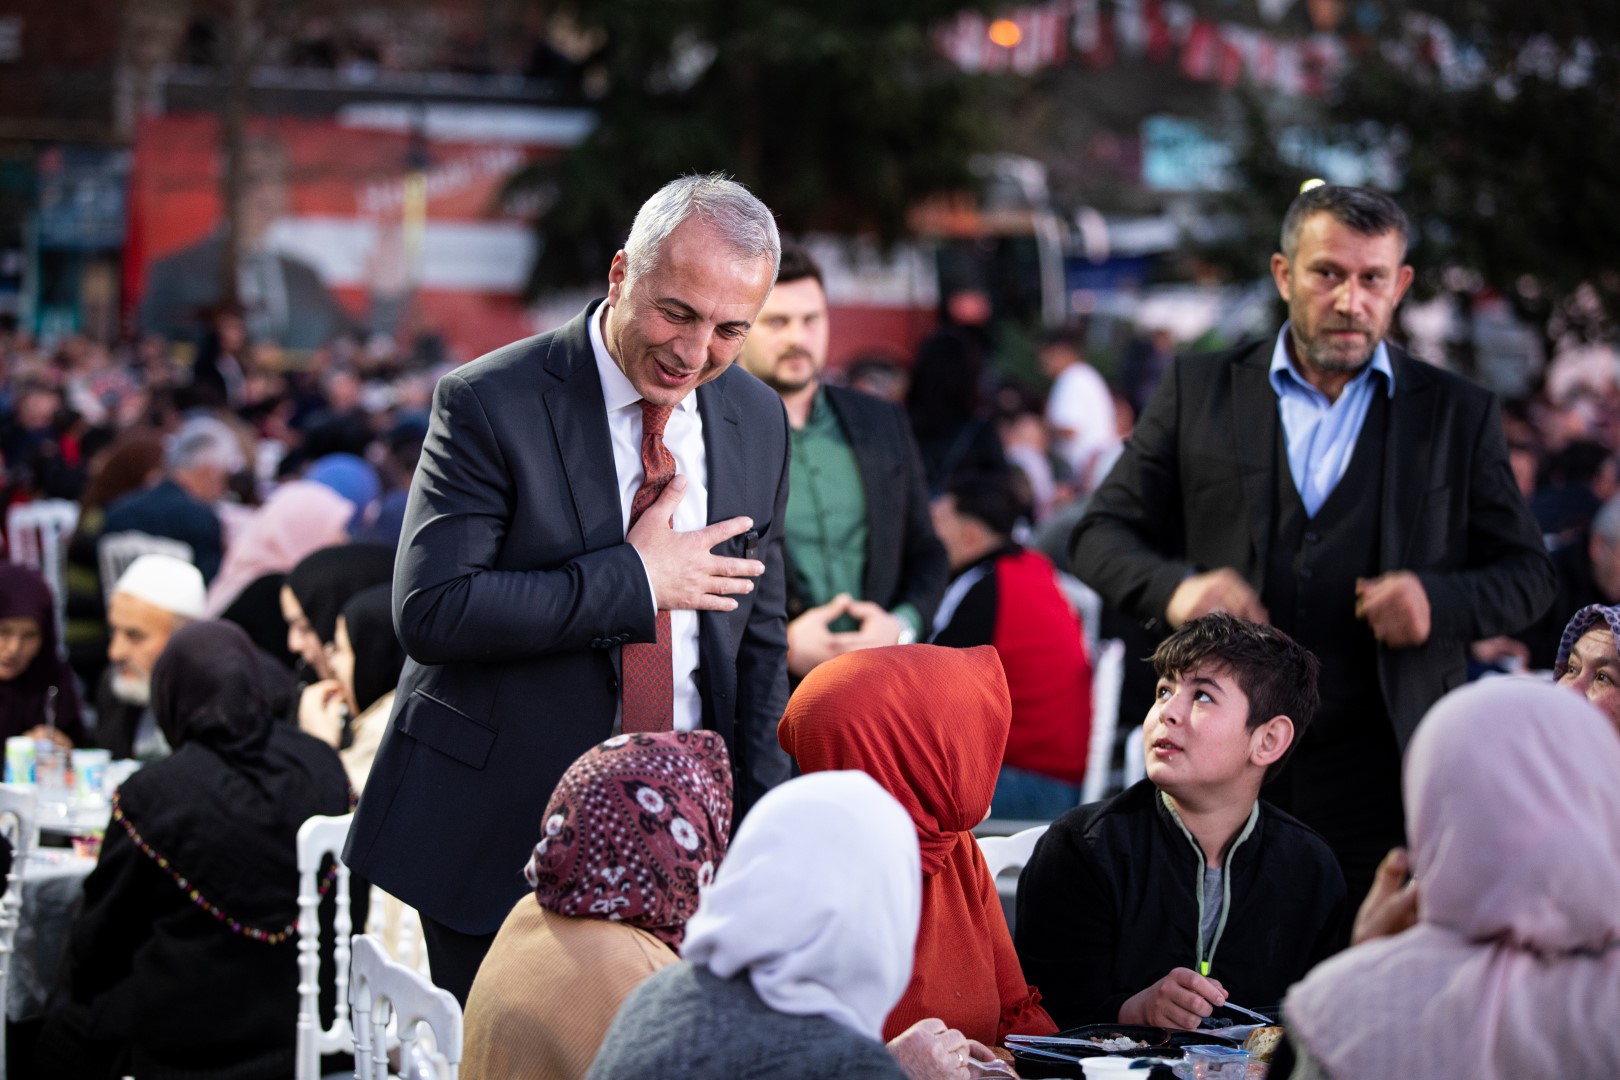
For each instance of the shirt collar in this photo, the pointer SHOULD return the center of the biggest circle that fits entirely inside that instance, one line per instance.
(618, 392)
(1282, 371)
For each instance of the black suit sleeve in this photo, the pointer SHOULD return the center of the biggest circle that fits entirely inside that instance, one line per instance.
(1120, 547)
(1067, 931)
(762, 683)
(1509, 580)
(451, 604)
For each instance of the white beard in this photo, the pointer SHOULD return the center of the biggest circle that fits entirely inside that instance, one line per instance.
(132, 689)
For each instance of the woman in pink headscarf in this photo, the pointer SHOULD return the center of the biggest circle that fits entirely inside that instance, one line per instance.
(299, 518)
(1513, 969)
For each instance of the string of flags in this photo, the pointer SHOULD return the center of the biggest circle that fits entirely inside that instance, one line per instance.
(1028, 39)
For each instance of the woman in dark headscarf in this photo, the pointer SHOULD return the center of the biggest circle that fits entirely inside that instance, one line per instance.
(634, 828)
(366, 660)
(182, 959)
(29, 665)
(319, 586)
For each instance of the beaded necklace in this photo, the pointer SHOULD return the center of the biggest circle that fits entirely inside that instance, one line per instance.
(269, 937)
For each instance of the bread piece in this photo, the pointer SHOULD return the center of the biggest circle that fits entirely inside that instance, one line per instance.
(1263, 1042)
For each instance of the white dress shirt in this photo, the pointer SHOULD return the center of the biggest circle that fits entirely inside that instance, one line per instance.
(683, 435)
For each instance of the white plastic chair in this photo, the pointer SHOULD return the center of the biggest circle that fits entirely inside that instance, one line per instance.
(317, 838)
(116, 551)
(1003, 853)
(383, 992)
(37, 535)
(397, 924)
(20, 826)
(1107, 677)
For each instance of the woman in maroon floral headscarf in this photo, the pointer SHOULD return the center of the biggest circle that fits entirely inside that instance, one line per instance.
(635, 828)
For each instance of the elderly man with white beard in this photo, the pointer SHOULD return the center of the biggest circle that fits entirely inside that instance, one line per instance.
(156, 596)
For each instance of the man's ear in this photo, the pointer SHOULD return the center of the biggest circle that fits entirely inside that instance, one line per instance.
(1279, 274)
(1270, 741)
(618, 274)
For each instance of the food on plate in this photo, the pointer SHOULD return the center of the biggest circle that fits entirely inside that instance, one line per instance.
(1117, 1043)
(1263, 1042)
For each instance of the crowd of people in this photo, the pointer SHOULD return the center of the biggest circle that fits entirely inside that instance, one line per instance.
(668, 673)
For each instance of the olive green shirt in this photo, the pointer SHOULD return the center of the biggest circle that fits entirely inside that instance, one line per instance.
(826, 515)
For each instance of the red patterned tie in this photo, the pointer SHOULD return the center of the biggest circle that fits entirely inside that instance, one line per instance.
(648, 676)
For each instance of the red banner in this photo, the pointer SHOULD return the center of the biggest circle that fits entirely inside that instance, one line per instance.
(336, 234)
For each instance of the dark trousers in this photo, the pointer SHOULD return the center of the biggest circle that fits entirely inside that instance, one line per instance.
(454, 957)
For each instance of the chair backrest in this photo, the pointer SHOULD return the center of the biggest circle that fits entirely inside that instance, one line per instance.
(116, 551)
(318, 838)
(1107, 676)
(383, 991)
(37, 536)
(20, 826)
(1004, 853)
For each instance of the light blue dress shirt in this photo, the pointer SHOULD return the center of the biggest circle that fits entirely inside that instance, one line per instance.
(1321, 434)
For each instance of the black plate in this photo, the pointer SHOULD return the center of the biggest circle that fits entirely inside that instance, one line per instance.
(1155, 1037)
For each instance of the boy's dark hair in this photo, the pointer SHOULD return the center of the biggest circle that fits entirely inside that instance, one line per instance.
(798, 265)
(1276, 673)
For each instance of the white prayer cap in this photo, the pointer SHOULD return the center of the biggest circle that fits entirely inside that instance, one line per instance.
(165, 582)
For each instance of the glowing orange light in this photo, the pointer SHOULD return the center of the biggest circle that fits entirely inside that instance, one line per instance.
(1005, 32)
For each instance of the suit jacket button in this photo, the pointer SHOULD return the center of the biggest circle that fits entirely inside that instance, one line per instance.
(596, 643)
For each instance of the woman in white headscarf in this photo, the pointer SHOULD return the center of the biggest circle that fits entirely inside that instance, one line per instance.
(1512, 971)
(797, 952)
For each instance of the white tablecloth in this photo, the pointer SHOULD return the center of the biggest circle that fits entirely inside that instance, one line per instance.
(52, 882)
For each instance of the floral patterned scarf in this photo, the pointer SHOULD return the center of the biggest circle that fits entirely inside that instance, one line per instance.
(634, 829)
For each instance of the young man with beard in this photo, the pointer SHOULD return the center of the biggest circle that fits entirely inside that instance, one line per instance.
(864, 566)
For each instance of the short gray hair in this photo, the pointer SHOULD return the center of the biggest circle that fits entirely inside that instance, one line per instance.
(744, 222)
(1363, 210)
(205, 441)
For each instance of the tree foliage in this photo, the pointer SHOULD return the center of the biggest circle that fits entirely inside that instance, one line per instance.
(839, 114)
(1510, 162)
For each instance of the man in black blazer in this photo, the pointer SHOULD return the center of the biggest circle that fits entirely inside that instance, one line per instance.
(864, 567)
(1329, 483)
(529, 573)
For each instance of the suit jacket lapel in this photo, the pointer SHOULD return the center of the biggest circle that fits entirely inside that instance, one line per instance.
(578, 414)
(724, 450)
(1254, 442)
(1408, 450)
(723, 447)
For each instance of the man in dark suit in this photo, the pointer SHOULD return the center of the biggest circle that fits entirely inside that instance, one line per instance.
(864, 566)
(1359, 499)
(592, 544)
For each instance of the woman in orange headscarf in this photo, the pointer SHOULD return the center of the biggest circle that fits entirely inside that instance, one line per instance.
(929, 724)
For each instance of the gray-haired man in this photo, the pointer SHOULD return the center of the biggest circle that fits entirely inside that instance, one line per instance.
(592, 544)
(197, 467)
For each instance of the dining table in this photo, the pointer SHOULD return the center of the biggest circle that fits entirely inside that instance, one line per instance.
(52, 883)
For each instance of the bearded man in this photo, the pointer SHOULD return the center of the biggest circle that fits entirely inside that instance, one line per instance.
(864, 566)
(1328, 483)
